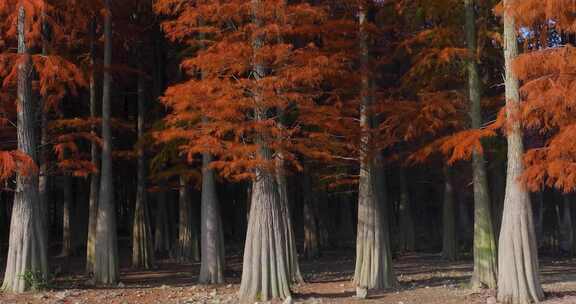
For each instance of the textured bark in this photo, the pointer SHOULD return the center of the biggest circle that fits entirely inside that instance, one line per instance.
(311, 233)
(27, 246)
(519, 277)
(162, 243)
(142, 246)
(212, 237)
(265, 272)
(373, 255)
(66, 218)
(187, 247)
(291, 251)
(407, 233)
(106, 258)
(95, 177)
(43, 179)
(485, 267)
(449, 244)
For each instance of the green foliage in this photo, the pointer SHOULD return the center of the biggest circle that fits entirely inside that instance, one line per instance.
(36, 280)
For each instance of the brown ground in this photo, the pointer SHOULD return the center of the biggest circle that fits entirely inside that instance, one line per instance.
(423, 279)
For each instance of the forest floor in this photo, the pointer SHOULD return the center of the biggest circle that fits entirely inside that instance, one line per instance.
(423, 279)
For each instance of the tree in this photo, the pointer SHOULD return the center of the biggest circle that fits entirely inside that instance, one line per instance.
(449, 243)
(106, 258)
(27, 251)
(485, 267)
(518, 278)
(142, 243)
(187, 247)
(373, 255)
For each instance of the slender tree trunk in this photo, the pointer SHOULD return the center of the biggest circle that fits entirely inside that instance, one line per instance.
(566, 227)
(43, 179)
(407, 233)
(95, 177)
(213, 252)
(106, 261)
(485, 267)
(373, 254)
(27, 247)
(449, 244)
(187, 248)
(142, 246)
(311, 233)
(292, 253)
(519, 277)
(162, 231)
(265, 272)
(345, 227)
(66, 218)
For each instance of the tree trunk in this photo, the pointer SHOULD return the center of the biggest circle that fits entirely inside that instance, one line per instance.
(449, 246)
(213, 251)
(162, 231)
(346, 226)
(407, 234)
(66, 218)
(95, 177)
(373, 255)
(142, 246)
(485, 267)
(566, 228)
(106, 261)
(43, 179)
(265, 271)
(311, 234)
(187, 247)
(291, 251)
(519, 277)
(27, 247)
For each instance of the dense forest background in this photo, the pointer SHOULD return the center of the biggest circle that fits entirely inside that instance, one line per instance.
(137, 133)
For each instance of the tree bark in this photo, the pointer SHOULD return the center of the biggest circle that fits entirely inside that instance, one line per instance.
(187, 248)
(373, 255)
(485, 267)
(407, 233)
(161, 230)
(265, 271)
(106, 260)
(291, 251)
(95, 177)
(142, 246)
(27, 247)
(519, 277)
(212, 237)
(449, 244)
(66, 218)
(311, 233)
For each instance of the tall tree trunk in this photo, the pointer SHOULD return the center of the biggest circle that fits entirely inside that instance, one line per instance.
(66, 218)
(566, 227)
(142, 246)
(27, 247)
(449, 244)
(43, 178)
(161, 230)
(519, 277)
(212, 238)
(106, 261)
(265, 271)
(485, 267)
(95, 177)
(373, 254)
(292, 253)
(187, 247)
(345, 227)
(407, 233)
(311, 233)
